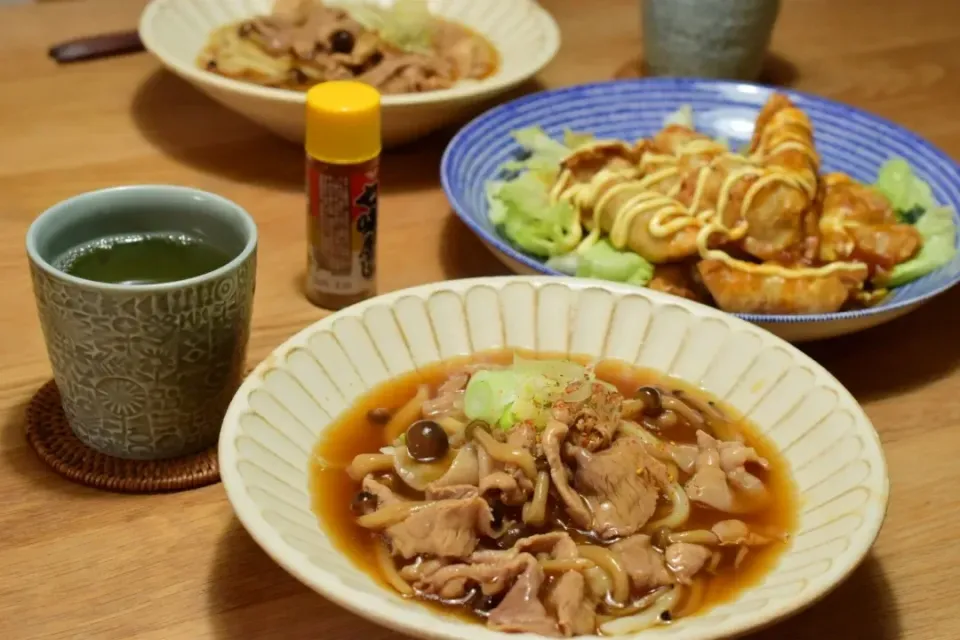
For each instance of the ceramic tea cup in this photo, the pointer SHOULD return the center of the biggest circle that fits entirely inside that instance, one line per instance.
(146, 371)
(707, 38)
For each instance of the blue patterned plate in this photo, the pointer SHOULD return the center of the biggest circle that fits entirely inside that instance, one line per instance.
(848, 140)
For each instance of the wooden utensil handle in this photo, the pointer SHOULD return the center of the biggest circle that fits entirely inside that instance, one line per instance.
(102, 46)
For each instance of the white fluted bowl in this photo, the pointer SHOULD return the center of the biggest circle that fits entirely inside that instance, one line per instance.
(290, 399)
(526, 36)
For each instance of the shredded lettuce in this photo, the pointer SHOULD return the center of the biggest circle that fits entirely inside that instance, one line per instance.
(908, 194)
(566, 264)
(543, 153)
(496, 209)
(575, 140)
(938, 230)
(912, 199)
(682, 116)
(604, 262)
(522, 207)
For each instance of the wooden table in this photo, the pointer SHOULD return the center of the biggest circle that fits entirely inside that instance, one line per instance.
(79, 563)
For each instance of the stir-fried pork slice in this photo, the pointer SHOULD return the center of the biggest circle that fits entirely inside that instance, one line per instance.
(684, 456)
(748, 484)
(709, 487)
(729, 455)
(736, 455)
(470, 56)
(685, 560)
(490, 569)
(465, 469)
(593, 421)
(569, 604)
(576, 508)
(521, 611)
(408, 72)
(492, 573)
(447, 528)
(567, 601)
(621, 486)
(301, 27)
(449, 398)
(733, 532)
(558, 544)
(711, 484)
(642, 562)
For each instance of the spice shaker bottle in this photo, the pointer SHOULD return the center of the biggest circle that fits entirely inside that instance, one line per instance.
(343, 162)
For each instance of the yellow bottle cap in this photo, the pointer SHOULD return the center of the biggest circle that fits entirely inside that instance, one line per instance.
(343, 122)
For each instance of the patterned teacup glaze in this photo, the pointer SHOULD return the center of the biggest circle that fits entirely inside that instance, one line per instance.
(707, 38)
(145, 371)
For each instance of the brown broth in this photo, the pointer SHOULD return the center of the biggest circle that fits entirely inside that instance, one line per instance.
(352, 433)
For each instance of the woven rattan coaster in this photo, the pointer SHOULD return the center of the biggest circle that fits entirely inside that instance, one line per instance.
(51, 437)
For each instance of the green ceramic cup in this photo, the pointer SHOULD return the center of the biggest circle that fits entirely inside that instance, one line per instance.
(145, 371)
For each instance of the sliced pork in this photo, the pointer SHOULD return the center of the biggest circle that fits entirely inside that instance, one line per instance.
(733, 532)
(621, 485)
(491, 573)
(594, 420)
(569, 604)
(521, 610)
(446, 528)
(721, 480)
(643, 563)
(685, 560)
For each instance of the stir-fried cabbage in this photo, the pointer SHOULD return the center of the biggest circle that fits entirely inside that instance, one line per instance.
(406, 24)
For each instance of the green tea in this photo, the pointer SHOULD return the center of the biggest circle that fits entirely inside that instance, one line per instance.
(142, 258)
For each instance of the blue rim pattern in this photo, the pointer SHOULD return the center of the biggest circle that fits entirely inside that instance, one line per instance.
(848, 139)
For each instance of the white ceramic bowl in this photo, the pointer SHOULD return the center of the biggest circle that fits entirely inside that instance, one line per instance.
(525, 35)
(290, 398)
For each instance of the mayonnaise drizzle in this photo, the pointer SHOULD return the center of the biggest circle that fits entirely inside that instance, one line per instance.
(671, 216)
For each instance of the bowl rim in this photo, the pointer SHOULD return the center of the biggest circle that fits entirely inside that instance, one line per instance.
(315, 577)
(494, 84)
(503, 246)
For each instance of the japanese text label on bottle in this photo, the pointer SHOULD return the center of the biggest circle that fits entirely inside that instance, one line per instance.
(342, 202)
